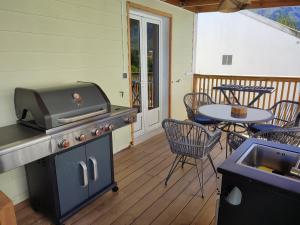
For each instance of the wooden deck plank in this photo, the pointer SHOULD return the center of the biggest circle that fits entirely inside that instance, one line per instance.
(161, 204)
(113, 199)
(154, 206)
(207, 213)
(213, 222)
(154, 186)
(142, 197)
(141, 163)
(174, 209)
(137, 152)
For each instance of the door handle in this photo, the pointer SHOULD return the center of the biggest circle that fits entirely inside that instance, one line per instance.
(84, 172)
(95, 167)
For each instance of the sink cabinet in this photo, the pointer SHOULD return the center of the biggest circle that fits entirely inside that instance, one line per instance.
(250, 196)
(260, 204)
(60, 185)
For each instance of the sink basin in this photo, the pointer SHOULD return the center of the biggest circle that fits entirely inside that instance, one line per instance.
(271, 160)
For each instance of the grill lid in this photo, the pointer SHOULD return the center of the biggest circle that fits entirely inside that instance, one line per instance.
(55, 106)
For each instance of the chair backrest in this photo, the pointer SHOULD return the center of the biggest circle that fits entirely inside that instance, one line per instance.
(289, 136)
(186, 137)
(285, 112)
(193, 101)
(297, 121)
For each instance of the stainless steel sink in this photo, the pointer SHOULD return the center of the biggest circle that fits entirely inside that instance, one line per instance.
(271, 160)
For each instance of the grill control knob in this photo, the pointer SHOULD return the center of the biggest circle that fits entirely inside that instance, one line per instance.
(64, 144)
(81, 137)
(108, 127)
(96, 132)
(129, 119)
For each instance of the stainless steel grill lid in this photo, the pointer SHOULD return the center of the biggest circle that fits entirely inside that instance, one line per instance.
(55, 106)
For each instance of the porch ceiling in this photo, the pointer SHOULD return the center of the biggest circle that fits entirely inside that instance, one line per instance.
(199, 6)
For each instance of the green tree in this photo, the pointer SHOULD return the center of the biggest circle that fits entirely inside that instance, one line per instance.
(287, 21)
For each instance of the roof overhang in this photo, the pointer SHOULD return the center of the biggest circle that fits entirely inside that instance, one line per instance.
(199, 6)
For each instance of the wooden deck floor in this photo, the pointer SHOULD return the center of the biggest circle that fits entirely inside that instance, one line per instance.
(143, 198)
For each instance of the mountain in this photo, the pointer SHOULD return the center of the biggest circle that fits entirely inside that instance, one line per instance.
(289, 16)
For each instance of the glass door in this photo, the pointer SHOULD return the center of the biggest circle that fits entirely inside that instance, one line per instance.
(153, 72)
(136, 71)
(145, 42)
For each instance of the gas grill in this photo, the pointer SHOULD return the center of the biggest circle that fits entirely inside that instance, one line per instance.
(64, 139)
(71, 114)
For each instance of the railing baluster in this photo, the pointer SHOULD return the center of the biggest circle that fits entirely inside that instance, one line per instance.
(221, 82)
(203, 87)
(215, 91)
(286, 88)
(270, 95)
(295, 90)
(208, 86)
(211, 88)
(276, 92)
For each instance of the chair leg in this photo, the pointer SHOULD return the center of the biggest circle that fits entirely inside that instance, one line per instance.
(226, 144)
(173, 167)
(201, 181)
(212, 163)
(183, 161)
(221, 145)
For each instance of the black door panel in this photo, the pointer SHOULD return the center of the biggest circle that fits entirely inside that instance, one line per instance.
(98, 154)
(70, 169)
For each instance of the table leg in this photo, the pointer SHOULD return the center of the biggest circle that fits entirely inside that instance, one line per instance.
(235, 98)
(226, 97)
(226, 144)
(255, 99)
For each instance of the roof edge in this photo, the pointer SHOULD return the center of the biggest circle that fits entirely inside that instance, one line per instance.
(271, 23)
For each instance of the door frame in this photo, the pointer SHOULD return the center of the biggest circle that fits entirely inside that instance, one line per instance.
(146, 9)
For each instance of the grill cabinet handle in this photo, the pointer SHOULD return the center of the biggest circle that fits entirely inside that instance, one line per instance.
(81, 117)
(84, 172)
(95, 167)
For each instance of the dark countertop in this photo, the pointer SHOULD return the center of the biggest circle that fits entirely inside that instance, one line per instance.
(230, 166)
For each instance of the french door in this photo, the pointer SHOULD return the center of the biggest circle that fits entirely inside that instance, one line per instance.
(145, 42)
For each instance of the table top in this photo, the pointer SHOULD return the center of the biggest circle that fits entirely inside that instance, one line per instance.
(233, 87)
(223, 113)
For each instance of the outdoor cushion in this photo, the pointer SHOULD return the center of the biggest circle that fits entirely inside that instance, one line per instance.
(263, 127)
(204, 120)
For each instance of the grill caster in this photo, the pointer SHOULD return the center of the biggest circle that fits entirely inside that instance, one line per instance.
(115, 189)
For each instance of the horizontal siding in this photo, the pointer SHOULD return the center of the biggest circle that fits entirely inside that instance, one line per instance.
(51, 42)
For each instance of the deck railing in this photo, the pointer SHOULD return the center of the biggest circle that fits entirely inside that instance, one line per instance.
(136, 90)
(286, 88)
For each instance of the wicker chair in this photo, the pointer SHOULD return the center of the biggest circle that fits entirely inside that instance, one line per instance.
(285, 112)
(289, 136)
(192, 102)
(190, 139)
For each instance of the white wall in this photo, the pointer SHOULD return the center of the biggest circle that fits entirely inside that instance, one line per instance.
(59, 41)
(257, 48)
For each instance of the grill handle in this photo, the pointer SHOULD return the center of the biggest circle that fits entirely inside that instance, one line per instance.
(81, 117)
(95, 167)
(84, 172)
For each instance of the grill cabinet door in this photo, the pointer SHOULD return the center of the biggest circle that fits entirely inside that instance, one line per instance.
(99, 156)
(70, 169)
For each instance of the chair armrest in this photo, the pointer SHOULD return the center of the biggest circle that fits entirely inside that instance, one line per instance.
(213, 137)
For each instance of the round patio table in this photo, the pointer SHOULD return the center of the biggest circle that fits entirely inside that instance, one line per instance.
(223, 113)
